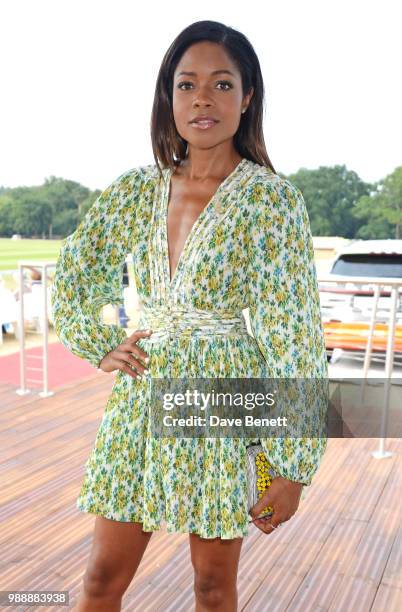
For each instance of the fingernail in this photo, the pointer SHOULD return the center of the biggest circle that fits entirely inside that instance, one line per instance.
(146, 359)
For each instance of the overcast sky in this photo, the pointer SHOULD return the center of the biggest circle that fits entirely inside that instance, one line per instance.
(78, 80)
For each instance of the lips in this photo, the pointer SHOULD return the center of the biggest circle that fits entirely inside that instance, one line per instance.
(204, 122)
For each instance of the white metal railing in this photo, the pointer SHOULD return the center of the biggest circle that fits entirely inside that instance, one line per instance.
(43, 266)
(379, 283)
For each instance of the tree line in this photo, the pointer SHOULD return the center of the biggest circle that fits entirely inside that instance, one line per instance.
(52, 210)
(338, 201)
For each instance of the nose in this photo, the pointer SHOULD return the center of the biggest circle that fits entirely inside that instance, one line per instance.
(202, 98)
(201, 105)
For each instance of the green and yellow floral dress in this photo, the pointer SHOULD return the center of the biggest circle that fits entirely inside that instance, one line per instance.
(251, 247)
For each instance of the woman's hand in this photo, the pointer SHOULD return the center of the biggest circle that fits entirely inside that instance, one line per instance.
(121, 357)
(283, 496)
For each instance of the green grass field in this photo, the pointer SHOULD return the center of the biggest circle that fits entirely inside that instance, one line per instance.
(11, 251)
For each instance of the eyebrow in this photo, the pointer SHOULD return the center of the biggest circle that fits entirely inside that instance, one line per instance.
(213, 72)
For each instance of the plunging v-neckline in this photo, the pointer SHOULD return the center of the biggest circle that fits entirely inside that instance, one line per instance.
(171, 281)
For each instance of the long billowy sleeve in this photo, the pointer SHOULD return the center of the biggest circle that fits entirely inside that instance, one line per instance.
(285, 316)
(89, 272)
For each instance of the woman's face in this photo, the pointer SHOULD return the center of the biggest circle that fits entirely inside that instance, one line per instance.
(213, 89)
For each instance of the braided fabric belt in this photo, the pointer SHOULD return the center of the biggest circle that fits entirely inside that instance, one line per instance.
(177, 320)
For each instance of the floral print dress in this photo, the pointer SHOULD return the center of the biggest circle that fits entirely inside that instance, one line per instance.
(251, 247)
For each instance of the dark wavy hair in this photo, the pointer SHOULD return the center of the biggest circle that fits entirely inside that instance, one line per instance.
(169, 148)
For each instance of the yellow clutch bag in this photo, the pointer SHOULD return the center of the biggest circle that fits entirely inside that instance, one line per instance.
(259, 477)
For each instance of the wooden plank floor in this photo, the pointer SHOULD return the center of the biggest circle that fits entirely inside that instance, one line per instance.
(341, 551)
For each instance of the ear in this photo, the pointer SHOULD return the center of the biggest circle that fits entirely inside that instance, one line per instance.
(247, 97)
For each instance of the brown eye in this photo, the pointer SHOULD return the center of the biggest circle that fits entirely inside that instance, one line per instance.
(179, 86)
(228, 83)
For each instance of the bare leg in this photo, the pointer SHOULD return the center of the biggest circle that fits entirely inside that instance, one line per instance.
(215, 563)
(117, 549)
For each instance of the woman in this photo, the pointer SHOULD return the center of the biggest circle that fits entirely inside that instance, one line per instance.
(212, 232)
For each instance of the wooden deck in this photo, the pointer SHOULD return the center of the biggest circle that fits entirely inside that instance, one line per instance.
(341, 551)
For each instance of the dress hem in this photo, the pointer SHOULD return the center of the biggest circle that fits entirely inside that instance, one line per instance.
(158, 526)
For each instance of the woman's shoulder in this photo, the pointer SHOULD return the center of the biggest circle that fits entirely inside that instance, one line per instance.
(270, 188)
(264, 176)
(127, 186)
(135, 177)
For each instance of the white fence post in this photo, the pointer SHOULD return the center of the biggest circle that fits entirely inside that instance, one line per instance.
(381, 452)
(23, 390)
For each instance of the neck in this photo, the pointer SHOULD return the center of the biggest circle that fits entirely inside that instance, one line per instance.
(203, 164)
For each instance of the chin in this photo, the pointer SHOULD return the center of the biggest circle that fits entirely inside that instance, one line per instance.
(203, 143)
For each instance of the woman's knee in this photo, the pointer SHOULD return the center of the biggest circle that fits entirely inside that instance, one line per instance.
(102, 580)
(211, 589)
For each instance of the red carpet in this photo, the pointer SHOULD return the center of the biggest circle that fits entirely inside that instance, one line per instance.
(64, 367)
